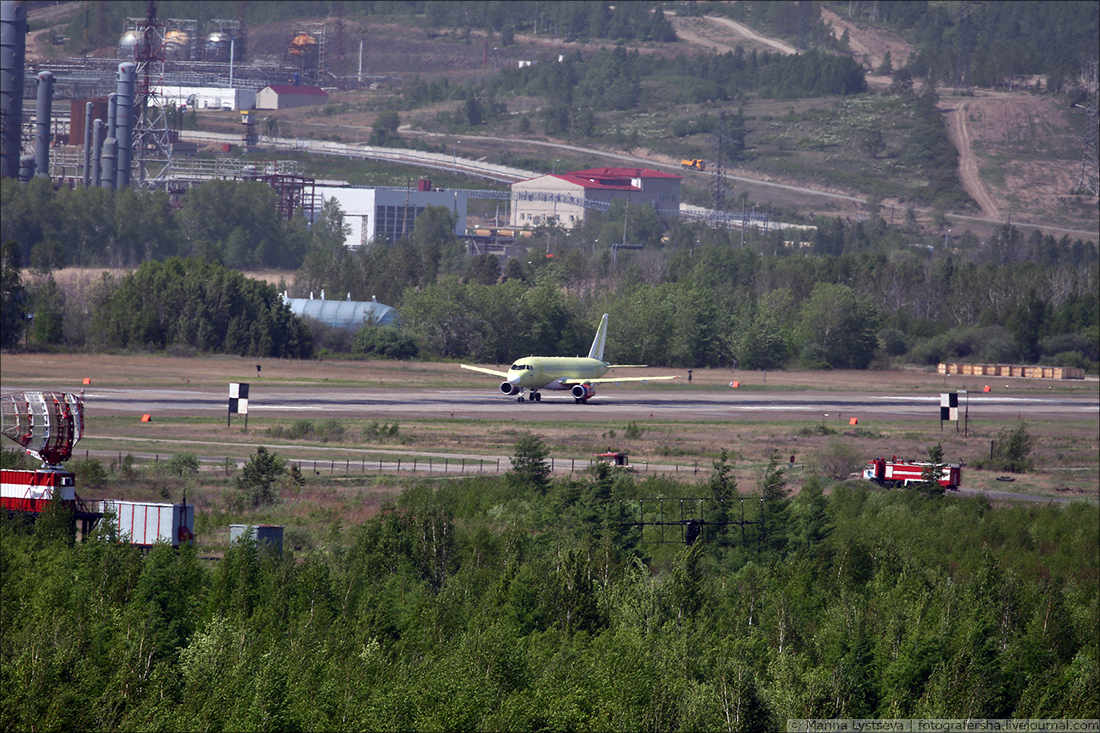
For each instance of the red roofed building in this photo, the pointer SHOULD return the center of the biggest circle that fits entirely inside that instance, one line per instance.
(285, 96)
(565, 197)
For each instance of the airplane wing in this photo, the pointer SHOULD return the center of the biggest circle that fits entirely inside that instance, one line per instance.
(483, 370)
(628, 366)
(611, 380)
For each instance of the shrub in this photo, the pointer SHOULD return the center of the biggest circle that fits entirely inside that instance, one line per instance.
(89, 472)
(182, 464)
(387, 342)
(1011, 453)
(837, 460)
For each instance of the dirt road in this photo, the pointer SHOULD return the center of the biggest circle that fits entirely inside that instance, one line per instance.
(955, 114)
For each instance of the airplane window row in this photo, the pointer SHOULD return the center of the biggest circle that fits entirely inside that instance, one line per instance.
(519, 367)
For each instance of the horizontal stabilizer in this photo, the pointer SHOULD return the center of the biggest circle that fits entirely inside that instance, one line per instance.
(483, 370)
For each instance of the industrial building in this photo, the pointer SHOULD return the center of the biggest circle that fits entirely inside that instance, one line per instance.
(564, 197)
(285, 96)
(208, 97)
(348, 314)
(386, 215)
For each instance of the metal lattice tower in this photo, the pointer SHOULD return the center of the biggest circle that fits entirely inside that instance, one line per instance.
(307, 50)
(720, 140)
(154, 148)
(962, 56)
(667, 520)
(1087, 177)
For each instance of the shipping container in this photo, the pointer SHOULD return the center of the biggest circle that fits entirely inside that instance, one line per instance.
(270, 535)
(145, 523)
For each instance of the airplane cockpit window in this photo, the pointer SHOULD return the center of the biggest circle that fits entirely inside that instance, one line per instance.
(517, 367)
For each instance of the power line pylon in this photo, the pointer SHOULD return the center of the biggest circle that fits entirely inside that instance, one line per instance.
(962, 54)
(720, 140)
(1087, 177)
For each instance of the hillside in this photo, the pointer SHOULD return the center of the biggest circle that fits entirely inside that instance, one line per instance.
(1018, 152)
(1018, 159)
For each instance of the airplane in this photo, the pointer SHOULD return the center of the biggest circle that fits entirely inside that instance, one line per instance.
(576, 374)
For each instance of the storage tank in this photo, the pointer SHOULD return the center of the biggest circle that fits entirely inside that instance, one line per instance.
(217, 47)
(129, 45)
(303, 50)
(177, 46)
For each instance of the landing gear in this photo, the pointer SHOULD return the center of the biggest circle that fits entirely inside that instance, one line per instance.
(533, 396)
(537, 396)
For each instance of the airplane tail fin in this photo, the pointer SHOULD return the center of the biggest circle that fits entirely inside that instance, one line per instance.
(596, 352)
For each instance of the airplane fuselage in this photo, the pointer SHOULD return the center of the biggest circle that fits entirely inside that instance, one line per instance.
(550, 372)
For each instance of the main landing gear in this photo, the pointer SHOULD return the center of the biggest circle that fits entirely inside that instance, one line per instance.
(533, 396)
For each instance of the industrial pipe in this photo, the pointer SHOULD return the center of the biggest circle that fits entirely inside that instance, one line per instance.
(97, 151)
(87, 143)
(124, 115)
(42, 116)
(107, 167)
(13, 48)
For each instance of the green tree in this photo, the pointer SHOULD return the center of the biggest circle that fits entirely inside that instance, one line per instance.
(930, 476)
(1012, 452)
(837, 328)
(530, 469)
(434, 237)
(13, 295)
(256, 483)
(776, 507)
(385, 127)
(816, 524)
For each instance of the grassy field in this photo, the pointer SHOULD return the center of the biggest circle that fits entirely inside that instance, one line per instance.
(349, 465)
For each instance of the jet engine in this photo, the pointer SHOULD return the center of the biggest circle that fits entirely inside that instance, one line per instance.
(509, 389)
(582, 392)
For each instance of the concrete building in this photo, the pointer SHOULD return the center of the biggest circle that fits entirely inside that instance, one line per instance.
(389, 214)
(564, 197)
(285, 96)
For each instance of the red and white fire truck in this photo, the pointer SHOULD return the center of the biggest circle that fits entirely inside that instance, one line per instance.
(893, 472)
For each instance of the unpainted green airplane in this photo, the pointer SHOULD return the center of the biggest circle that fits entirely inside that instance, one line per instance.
(576, 374)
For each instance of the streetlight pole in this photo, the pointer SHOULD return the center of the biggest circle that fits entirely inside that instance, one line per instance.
(554, 168)
(454, 156)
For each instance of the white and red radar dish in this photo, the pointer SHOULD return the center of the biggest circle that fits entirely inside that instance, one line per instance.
(46, 424)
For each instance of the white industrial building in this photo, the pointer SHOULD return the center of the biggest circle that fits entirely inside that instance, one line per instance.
(209, 97)
(565, 197)
(386, 215)
(286, 96)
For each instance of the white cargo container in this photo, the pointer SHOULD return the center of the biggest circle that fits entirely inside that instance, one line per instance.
(145, 523)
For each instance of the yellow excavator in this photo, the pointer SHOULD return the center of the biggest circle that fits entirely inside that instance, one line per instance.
(694, 164)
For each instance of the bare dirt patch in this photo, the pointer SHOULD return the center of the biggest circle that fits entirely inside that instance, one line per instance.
(869, 44)
(724, 35)
(1018, 156)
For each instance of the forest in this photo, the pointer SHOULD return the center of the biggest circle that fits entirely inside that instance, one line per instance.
(521, 602)
(696, 297)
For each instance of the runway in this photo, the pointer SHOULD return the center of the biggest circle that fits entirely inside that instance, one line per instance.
(613, 403)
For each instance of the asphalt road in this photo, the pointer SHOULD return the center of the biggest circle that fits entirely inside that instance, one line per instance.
(609, 403)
